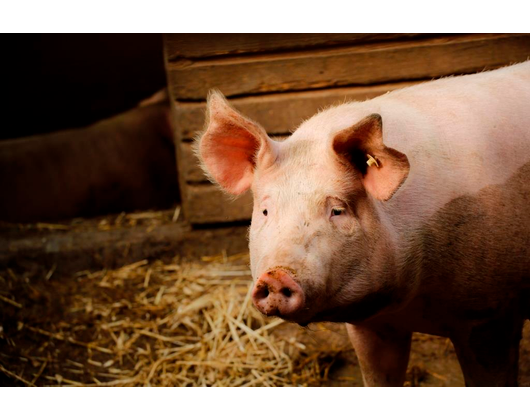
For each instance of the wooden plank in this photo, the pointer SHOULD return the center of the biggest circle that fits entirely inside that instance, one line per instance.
(179, 46)
(206, 203)
(278, 113)
(361, 65)
(189, 167)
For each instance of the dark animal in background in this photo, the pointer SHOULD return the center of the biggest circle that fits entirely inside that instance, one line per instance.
(123, 163)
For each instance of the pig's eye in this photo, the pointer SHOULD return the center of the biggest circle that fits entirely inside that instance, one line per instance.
(337, 211)
(265, 212)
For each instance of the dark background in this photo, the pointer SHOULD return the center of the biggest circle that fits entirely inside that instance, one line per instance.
(51, 82)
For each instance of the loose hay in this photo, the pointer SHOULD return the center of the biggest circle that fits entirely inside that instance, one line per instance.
(177, 324)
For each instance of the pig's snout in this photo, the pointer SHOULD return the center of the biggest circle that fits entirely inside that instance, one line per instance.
(276, 293)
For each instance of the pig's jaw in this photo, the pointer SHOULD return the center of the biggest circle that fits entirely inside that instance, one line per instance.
(361, 310)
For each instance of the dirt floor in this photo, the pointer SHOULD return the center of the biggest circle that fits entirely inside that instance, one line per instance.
(173, 320)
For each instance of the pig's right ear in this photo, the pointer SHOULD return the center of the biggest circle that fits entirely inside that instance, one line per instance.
(382, 170)
(232, 146)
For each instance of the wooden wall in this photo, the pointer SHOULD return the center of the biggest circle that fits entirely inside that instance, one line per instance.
(279, 80)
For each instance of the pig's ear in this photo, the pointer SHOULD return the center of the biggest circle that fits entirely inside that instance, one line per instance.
(381, 168)
(232, 146)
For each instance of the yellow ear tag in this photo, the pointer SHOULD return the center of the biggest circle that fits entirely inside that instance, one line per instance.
(371, 161)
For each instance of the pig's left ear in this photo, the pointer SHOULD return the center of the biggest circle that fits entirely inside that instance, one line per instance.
(232, 146)
(381, 168)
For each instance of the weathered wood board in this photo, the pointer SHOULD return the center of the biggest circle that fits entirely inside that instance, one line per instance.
(345, 66)
(186, 46)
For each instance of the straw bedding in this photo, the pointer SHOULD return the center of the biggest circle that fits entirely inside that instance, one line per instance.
(165, 324)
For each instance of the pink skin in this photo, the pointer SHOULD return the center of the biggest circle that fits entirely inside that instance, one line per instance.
(434, 238)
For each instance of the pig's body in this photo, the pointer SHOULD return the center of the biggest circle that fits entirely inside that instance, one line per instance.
(434, 238)
(466, 201)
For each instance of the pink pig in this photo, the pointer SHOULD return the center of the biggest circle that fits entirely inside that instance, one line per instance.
(408, 212)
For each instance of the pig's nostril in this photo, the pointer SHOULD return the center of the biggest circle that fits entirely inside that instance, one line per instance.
(287, 292)
(261, 292)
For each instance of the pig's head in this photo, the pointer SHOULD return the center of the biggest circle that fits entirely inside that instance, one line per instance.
(320, 245)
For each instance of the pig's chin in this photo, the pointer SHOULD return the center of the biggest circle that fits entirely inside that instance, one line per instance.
(302, 319)
(355, 311)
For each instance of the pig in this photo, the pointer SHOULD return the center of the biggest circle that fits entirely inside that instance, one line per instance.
(405, 213)
(122, 163)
